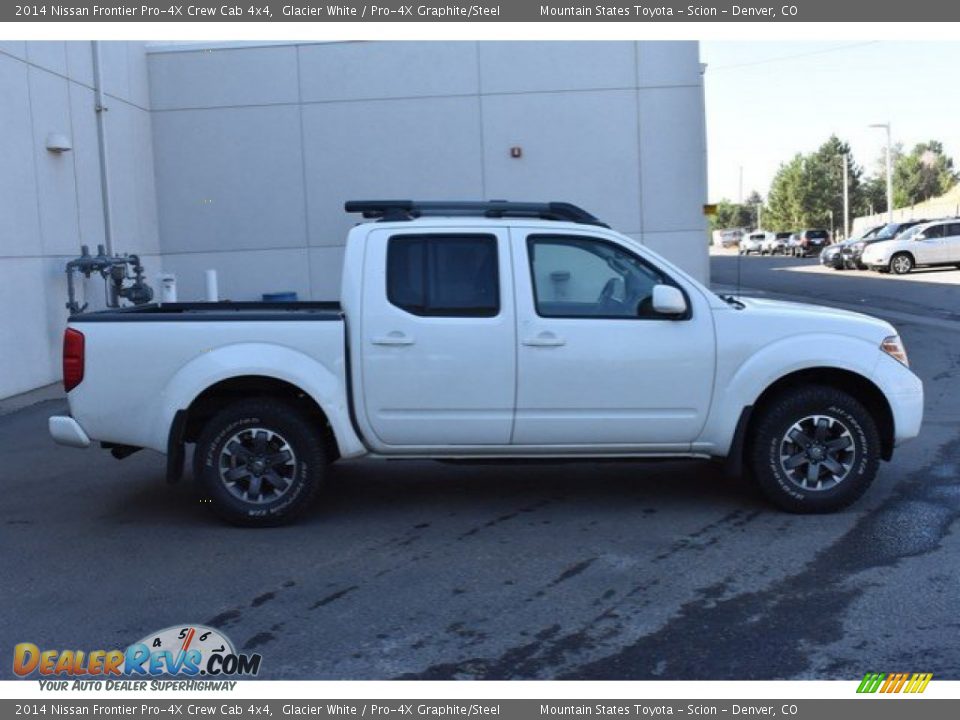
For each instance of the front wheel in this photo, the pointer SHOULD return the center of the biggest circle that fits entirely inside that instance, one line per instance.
(260, 462)
(814, 449)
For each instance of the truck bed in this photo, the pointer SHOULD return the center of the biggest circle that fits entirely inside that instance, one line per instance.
(216, 311)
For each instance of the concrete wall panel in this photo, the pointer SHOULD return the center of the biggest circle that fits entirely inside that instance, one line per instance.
(20, 219)
(364, 71)
(510, 67)
(673, 172)
(428, 148)
(230, 178)
(223, 77)
(580, 147)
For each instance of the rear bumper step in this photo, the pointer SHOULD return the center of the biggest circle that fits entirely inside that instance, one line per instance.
(67, 431)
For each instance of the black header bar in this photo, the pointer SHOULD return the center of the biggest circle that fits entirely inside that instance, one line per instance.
(857, 11)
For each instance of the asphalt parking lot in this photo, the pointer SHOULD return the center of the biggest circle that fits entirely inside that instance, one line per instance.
(595, 571)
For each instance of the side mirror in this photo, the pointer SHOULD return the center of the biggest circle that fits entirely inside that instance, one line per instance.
(668, 300)
(921, 236)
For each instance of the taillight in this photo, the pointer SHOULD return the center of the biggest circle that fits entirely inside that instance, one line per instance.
(72, 358)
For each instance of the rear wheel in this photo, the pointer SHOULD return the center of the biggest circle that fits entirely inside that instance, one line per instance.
(260, 462)
(901, 263)
(814, 449)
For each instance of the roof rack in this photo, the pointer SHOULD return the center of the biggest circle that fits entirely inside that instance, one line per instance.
(394, 210)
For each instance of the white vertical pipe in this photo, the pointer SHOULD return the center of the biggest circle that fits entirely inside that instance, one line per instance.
(100, 108)
(213, 293)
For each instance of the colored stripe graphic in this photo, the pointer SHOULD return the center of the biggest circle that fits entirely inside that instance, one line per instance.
(871, 682)
(894, 682)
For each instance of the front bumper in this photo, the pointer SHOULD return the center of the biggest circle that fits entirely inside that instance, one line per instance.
(831, 259)
(66, 431)
(904, 392)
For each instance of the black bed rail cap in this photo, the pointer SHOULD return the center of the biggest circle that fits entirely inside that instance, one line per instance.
(394, 210)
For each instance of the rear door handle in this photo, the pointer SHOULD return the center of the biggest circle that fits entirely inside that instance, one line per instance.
(393, 338)
(545, 339)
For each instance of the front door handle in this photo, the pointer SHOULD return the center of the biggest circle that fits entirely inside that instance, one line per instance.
(393, 338)
(545, 339)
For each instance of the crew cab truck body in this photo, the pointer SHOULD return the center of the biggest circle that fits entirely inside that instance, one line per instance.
(485, 333)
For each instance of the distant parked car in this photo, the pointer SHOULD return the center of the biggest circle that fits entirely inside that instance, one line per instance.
(812, 242)
(728, 238)
(831, 256)
(753, 243)
(839, 255)
(853, 254)
(776, 243)
(932, 243)
(793, 245)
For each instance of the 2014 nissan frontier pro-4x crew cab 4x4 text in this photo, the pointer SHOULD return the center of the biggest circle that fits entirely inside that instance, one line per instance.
(482, 330)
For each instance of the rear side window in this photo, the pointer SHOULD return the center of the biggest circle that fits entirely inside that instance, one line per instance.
(444, 275)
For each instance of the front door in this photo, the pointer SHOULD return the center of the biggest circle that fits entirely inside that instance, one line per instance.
(950, 252)
(438, 354)
(930, 250)
(596, 364)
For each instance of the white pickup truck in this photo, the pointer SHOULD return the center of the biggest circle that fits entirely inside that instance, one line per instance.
(492, 330)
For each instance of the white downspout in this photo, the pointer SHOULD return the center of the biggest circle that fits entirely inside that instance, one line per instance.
(100, 107)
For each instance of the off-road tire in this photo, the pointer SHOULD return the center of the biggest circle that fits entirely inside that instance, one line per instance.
(768, 438)
(285, 424)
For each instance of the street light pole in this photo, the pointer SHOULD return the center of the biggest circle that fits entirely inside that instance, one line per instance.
(846, 198)
(886, 126)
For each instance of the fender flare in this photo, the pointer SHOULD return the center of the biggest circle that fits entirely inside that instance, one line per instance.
(326, 386)
(740, 388)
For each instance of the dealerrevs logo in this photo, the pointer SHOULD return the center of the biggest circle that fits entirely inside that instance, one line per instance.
(181, 650)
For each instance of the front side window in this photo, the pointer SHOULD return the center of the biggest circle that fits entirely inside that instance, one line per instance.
(575, 277)
(444, 275)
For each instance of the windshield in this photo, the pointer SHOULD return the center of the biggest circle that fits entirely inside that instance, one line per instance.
(888, 231)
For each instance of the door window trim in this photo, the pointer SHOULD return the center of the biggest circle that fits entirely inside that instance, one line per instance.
(667, 280)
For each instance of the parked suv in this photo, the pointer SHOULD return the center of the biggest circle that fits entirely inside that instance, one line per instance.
(775, 243)
(753, 243)
(932, 243)
(853, 253)
(811, 242)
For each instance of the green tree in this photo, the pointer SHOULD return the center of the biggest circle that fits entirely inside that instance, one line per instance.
(874, 195)
(807, 191)
(732, 215)
(924, 173)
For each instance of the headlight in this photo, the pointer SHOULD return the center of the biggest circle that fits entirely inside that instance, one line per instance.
(893, 346)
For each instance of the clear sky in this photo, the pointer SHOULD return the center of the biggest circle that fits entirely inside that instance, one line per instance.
(767, 101)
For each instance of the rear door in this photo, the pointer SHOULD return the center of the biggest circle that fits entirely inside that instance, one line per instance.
(596, 364)
(439, 362)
